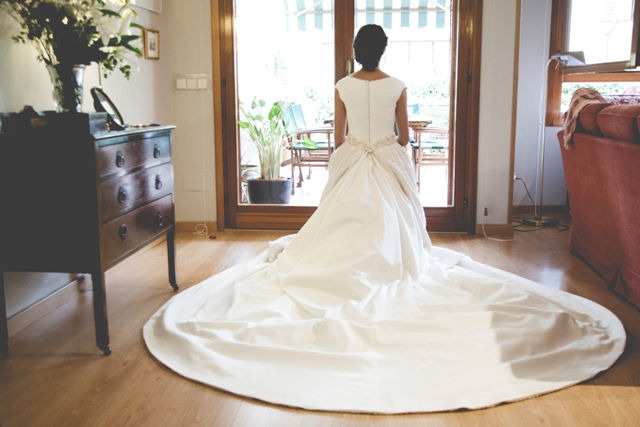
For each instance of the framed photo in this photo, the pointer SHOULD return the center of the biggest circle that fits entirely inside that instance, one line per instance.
(151, 44)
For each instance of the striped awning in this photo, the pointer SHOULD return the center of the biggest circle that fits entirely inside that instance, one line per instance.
(305, 15)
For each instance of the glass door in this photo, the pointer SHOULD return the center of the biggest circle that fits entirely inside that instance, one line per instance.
(294, 51)
(286, 52)
(419, 54)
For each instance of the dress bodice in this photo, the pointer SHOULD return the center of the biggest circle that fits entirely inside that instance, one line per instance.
(372, 120)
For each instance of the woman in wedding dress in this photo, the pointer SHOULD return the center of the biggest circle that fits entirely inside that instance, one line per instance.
(358, 312)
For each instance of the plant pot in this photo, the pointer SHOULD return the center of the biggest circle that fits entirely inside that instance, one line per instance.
(269, 191)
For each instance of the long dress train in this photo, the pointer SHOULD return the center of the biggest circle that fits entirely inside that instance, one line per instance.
(357, 312)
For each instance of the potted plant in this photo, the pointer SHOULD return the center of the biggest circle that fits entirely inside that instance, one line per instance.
(270, 133)
(69, 35)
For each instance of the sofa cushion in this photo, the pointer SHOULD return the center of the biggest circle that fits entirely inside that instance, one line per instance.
(587, 122)
(619, 122)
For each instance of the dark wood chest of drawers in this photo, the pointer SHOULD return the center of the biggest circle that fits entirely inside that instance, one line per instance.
(76, 198)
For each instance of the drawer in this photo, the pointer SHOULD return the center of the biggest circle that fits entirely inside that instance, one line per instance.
(135, 189)
(118, 158)
(130, 231)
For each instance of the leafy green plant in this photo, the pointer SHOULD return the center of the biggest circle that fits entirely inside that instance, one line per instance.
(432, 90)
(79, 31)
(270, 133)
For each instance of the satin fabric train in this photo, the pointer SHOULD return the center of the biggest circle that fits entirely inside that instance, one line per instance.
(357, 312)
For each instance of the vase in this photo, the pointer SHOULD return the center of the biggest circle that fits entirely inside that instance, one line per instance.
(67, 85)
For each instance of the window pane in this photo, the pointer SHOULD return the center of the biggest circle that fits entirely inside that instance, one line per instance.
(605, 88)
(419, 53)
(285, 53)
(602, 29)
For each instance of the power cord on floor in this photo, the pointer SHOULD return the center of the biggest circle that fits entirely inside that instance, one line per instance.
(535, 208)
(493, 238)
(484, 214)
(202, 230)
(520, 224)
(559, 227)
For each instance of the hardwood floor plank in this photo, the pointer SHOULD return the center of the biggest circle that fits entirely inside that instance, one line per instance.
(56, 376)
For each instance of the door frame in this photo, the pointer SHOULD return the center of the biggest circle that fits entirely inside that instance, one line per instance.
(465, 81)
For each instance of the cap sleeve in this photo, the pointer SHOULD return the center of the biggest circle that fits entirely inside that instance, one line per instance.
(340, 84)
(398, 86)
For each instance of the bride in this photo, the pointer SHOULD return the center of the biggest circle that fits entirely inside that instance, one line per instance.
(358, 312)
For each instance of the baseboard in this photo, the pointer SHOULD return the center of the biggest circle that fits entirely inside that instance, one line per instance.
(499, 231)
(193, 226)
(522, 211)
(21, 320)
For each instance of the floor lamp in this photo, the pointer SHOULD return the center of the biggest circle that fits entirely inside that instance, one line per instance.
(568, 59)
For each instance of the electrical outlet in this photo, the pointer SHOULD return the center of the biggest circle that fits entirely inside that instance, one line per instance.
(486, 212)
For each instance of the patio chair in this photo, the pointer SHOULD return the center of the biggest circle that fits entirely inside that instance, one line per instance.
(302, 156)
(413, 109)
(430, 146)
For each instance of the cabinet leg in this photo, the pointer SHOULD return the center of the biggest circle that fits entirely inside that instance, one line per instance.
(171, 253)
(100, 312)
(4, 331)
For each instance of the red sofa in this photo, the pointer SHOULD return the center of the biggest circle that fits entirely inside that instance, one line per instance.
(602, 172)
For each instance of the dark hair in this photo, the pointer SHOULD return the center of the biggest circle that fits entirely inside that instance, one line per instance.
(369, 46)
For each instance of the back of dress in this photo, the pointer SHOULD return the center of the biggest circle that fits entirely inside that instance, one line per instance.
(371, 106)
(372, 166)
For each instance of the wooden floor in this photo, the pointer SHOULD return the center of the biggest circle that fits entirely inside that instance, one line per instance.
(56, 376)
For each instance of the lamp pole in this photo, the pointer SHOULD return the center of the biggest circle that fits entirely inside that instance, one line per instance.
(538, 220)
(574, 59)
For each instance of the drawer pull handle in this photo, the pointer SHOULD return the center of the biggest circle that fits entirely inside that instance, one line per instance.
(156, 151)
(122, 195)
(122, 232)
(119, 159)
(159, 219)
(158, 182)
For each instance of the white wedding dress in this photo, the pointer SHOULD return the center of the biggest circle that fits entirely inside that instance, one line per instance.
(357, 312)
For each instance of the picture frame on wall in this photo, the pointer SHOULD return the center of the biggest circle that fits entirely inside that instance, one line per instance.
(151, 44)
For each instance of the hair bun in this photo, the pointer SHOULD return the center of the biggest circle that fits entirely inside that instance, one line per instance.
(369, 45)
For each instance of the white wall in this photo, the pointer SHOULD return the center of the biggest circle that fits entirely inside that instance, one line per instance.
(496, 94)
(534, 52)
(496, 90)
(192, 111)
(25, 81)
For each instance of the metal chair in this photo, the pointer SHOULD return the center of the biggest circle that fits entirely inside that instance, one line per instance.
(430, 146)
(302, 156)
